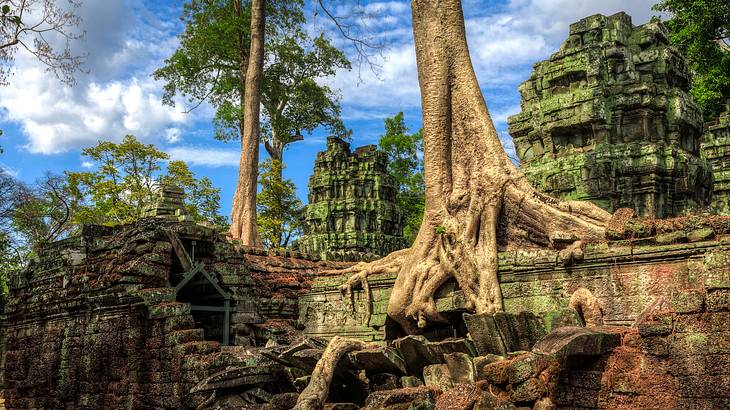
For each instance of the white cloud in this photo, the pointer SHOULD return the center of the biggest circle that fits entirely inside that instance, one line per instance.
(10, 171)
(116, 97)
(87, 164)
(211, 157)
(505, 40)
(173, 135)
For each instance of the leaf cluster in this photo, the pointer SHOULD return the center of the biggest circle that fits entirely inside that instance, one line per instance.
(277, 207)
(700, 29)
(125, 182)
(405, 155)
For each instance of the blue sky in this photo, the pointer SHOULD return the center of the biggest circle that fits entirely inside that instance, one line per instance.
(46, 124)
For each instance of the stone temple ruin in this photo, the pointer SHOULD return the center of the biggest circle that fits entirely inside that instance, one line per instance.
(352, 213)
(716, 149)
(166, 313)
(608, 118)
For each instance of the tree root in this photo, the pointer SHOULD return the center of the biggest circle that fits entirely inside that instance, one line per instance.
(314, 395)
(587, 306)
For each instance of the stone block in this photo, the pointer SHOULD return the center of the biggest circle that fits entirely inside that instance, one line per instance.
(688, 301)
(410, 398)
(496, 372)
(561, 318)
(410, 381)
(484, 333)
(702, 234)
(380, 360)
(571, 341)
(718, 300)
(525, 366)
(527, 391)
(461, 368)
(671, 237)
(438, 376)
(481, 361)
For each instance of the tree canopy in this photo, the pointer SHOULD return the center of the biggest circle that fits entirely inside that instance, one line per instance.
(278, 207)
(405, 155)
(700, 29)
(125, 182)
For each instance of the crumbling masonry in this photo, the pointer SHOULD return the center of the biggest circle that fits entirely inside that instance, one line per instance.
(352, 213)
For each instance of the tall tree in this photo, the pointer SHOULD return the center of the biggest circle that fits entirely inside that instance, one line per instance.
(700, 29)
(42, 213)
(293, 101)
(405, 155)
(33, 25)
(125, 180)
(213, 65)
(243, 215)
(277, 205)
(474, 196)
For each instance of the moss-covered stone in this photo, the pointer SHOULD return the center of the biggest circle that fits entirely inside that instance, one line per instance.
(352, 214)
(608, 118)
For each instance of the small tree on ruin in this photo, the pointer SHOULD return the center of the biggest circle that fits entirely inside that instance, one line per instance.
(477, 201)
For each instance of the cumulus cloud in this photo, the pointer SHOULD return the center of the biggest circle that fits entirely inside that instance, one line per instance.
(116, 97)
(505, 39)
(211, 157)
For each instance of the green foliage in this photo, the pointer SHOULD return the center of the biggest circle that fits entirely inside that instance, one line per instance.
(210, 66)
(42, 213)
(277, 206)
(210, 63)
(8, 264)
(405, 153)
(293, 101)
(700, 29)
(125, 183)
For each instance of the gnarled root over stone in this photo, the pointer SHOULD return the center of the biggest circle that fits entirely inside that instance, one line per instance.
(587, 306)
(315, 394)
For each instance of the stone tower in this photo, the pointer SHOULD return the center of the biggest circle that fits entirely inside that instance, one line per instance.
(352, 213)
(608, 118)
(716, 149)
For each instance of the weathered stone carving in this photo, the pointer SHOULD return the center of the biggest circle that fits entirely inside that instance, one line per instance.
(716, 150)
(608, 119)
(352, 214)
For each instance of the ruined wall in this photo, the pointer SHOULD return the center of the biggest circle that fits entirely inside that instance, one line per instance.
(716, 149)
(664, 291)
(624, 274)
(91, 324)
(608, 118)
(97, 322)
(678, 359)
(352, 212)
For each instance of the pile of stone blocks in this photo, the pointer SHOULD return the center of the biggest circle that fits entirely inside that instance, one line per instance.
(352, 213)
(609, 119)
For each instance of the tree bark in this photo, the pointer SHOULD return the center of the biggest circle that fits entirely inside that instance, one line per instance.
(243, 215)
(473, 191)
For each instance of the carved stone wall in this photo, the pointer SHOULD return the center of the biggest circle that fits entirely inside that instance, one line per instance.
(352, 213)
(96, 321)
(716, 149)
(608, 118)
(667, 260)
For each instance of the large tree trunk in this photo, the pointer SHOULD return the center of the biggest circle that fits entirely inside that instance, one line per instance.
(473, 191)
(243, 215)
(472, 187)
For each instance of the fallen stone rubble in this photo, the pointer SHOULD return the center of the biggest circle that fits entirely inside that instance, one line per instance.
(507, 361)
